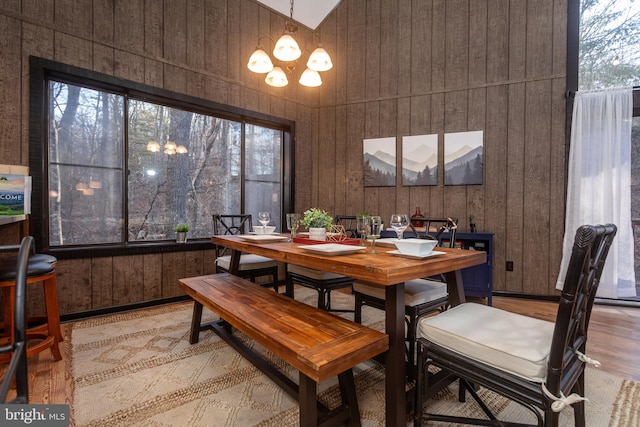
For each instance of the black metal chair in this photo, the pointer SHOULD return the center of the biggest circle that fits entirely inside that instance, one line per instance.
(349, 224)
(422, 296)
(537, 364)
(18, 347)
(251, 266)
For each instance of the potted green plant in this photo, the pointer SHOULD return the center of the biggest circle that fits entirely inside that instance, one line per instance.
(181, 232)
(318, 222)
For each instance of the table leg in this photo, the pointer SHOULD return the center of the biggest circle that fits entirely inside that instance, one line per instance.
(395, 371)
(308, 401)
(234, 263)
(455, 287)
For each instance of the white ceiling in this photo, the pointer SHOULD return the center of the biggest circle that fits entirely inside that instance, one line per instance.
(309, 13)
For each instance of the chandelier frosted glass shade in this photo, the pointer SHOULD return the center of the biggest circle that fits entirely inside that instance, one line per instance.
(310, 78)
(319, 60)
(276, 78)
(260, 62)
(287, 49)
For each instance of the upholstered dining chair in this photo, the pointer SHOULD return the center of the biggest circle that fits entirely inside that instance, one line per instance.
(251, 266)
(17, 348)
(421, 296)
(537, 364)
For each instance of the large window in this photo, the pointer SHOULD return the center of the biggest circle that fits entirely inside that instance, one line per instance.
(124, 166)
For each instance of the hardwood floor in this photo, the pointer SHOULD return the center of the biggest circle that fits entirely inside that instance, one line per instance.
(614, 340)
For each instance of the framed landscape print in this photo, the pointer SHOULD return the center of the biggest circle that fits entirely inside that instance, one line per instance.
(463, 158)
(420, 160)
(379, 162)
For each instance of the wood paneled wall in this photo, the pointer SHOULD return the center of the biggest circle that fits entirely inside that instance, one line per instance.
(402, 67)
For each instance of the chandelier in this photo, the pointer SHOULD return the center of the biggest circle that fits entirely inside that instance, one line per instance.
(170, 148)
(288, 52)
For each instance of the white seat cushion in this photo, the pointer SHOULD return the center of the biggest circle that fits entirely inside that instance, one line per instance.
(418, 291)
(247, 262)
(512, 342)
(311, 273)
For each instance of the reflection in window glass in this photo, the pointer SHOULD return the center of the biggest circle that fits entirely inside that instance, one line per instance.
(175, 166)
(263, 172)
(609, 34)
(85, 172)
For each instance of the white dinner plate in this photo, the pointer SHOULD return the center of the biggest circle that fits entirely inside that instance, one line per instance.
(429, 255)
(332, 249)
(262, 234)
(263, 238)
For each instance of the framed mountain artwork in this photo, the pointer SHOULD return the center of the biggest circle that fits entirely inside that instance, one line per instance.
(420, 160)
(463, 158)
(379, 162)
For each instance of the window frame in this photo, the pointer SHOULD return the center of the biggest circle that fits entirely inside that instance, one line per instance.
(43, 70)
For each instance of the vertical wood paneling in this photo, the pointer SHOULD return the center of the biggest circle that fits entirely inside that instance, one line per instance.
(356, 55)
(355, 135)
(537, 150)
(438, 46)
(153, 73)
(215, 40)
(372, 48)
(404, 47)
(175, 30)
(101, 272)
(476, 120)
(420, 54)
(559, 44)
(517, 39)
(128, 279)
(103, 59)
(497, 49)
(495, 178)
(372, 130)
(73, 50)
(173, 269)
(454, 202)
(478, 21)
(133, 31)
(74, 285)
(10, 90)
(195, 34)
(75, 17)
(152, 279)
(539, 52)
(420, 125)
(339, 52)
(456, 44)
(558, 178)
(39, 10)
(387, 195)
(515, 186)
(434, 204)
(129, 66)
(327, 187)
(153, 21)
(103, 14)
(403, 127)
(342, 161)
(388, 48)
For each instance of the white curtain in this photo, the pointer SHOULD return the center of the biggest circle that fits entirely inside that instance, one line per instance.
(599, 183)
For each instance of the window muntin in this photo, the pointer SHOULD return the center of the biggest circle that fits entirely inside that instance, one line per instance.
(88, 203)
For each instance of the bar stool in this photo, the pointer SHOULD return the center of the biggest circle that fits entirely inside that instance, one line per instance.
(41, 268)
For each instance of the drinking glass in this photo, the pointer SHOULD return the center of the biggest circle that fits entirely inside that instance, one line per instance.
(362, 222)
(373, 232)
(293, 223)
(264, 218)
(399, 222)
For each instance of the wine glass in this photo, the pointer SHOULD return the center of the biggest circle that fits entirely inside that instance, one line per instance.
(373, 232)
(293, 223)
(264, 218)
(399, 222)
(362, 222)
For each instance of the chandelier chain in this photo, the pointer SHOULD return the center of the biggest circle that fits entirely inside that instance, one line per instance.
(291, 11)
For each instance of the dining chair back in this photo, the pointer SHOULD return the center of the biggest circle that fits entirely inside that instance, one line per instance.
(537, 364)
(17, 348)
(251, 266)
(421, 296)
(349, 224)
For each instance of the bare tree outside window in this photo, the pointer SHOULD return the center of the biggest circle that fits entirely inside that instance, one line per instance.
(609, 53)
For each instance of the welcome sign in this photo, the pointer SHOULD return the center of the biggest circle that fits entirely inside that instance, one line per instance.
(15, 191)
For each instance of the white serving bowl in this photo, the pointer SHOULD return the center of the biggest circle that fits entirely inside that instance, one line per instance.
(267, 229)
(419, 247)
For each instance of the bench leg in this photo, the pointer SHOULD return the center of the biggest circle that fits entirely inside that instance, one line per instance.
(308, 401)
(196, 319)
(349, 398)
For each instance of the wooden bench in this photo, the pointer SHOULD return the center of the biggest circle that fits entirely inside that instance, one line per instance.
(320, 345)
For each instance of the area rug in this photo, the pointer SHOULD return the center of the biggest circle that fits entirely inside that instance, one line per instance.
(138, 369)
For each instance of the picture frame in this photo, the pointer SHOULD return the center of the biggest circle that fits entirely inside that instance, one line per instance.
(464, 158)
(379, 162)
(420, 160)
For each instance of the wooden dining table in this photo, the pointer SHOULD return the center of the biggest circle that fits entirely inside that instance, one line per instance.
(381, 268)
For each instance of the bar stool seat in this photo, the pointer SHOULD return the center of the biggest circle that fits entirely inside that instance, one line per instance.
(41, 268)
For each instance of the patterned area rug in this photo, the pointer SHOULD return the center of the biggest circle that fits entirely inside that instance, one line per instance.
(138, 369)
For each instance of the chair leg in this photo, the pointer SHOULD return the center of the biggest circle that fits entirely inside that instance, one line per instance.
(288, 280)
(357, 315)
(419, 389)
(578, 407)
